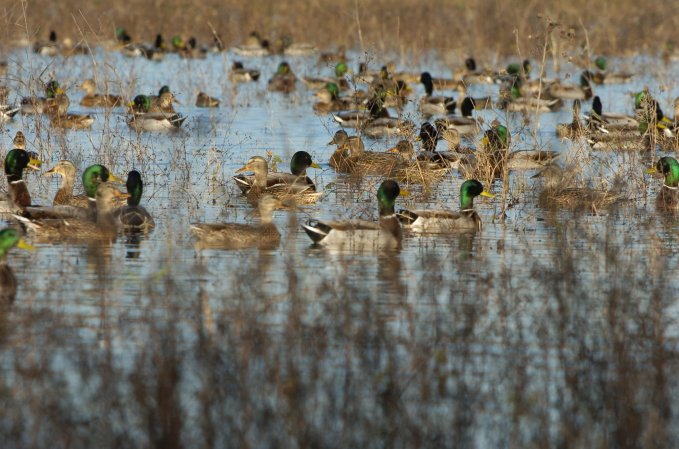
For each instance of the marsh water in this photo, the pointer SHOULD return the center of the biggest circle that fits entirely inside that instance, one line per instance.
(546, 329)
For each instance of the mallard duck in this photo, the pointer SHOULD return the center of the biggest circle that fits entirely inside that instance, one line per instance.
(157, 51)
(430, 105)
(16, 161)
(668, 197)
(330, 101)
(346, 146)
(299, 163)
(513, 99)
(284, 80)
(583, 91)
(470, 75)
(339, 80)
(152, 121)
(240, 236)
(205, 101)
(133, 217)
(375, 109)
(49, 48)
(82, 207)
(240, 74)
(386, 234)
(329, 57)
(163, 102)
(92, 99)
(574, 129)
(70, 48)
(105, 226)
(9, 238)
(445, 221)
(418, 170)
(561, 192)
(39, 105)
(429, 136)
(296, 192)
(64, 195)
(254, 45)
(602, 76)
(65, 120)
(466, 125)
(599, 120)
(191, 50)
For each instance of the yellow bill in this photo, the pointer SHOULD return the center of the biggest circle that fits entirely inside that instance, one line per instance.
(23, 245)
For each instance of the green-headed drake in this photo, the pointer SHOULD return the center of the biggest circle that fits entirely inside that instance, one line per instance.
(134, 217)
(284, 80)
(240, 236)
(9, 238)
(466, 125)
(92, 99)
(143, 119)
(296, 192)
(385, 234)
(513, 99)
(16, 161)
(434, 105)
(603, 76)
(668, 197)
(445, 221)
(610, 122)
(339, 79)
(39, 105)
(67, 205)
(240, 74)
(471, 75)
(49, 48)
(330, 101)
(299, 163)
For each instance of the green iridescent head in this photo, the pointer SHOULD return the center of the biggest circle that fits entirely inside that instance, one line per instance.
(333, 89)
(283, 68)
(52, 89)
(95, 175)
(640, 98)
(497, 137)
(178, 42)
(141, 103)
(9, 238)
(386, 197)
(135, 187)
(601, 63)
(16, 161)
(300, 161)
(341, 69)
(469, 190)
(669, 167)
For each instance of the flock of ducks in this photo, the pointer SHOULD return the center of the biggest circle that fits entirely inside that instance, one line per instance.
(99, 214)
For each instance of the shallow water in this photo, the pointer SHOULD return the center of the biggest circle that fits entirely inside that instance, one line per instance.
(546, 329)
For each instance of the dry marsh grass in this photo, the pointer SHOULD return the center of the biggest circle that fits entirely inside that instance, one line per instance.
(483, 27)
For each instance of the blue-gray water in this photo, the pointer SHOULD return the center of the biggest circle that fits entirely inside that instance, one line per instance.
(543, 330)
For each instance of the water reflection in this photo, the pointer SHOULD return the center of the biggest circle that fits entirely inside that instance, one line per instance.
(545, 329)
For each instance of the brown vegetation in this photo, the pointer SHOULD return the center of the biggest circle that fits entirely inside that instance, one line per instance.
(479, 27)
